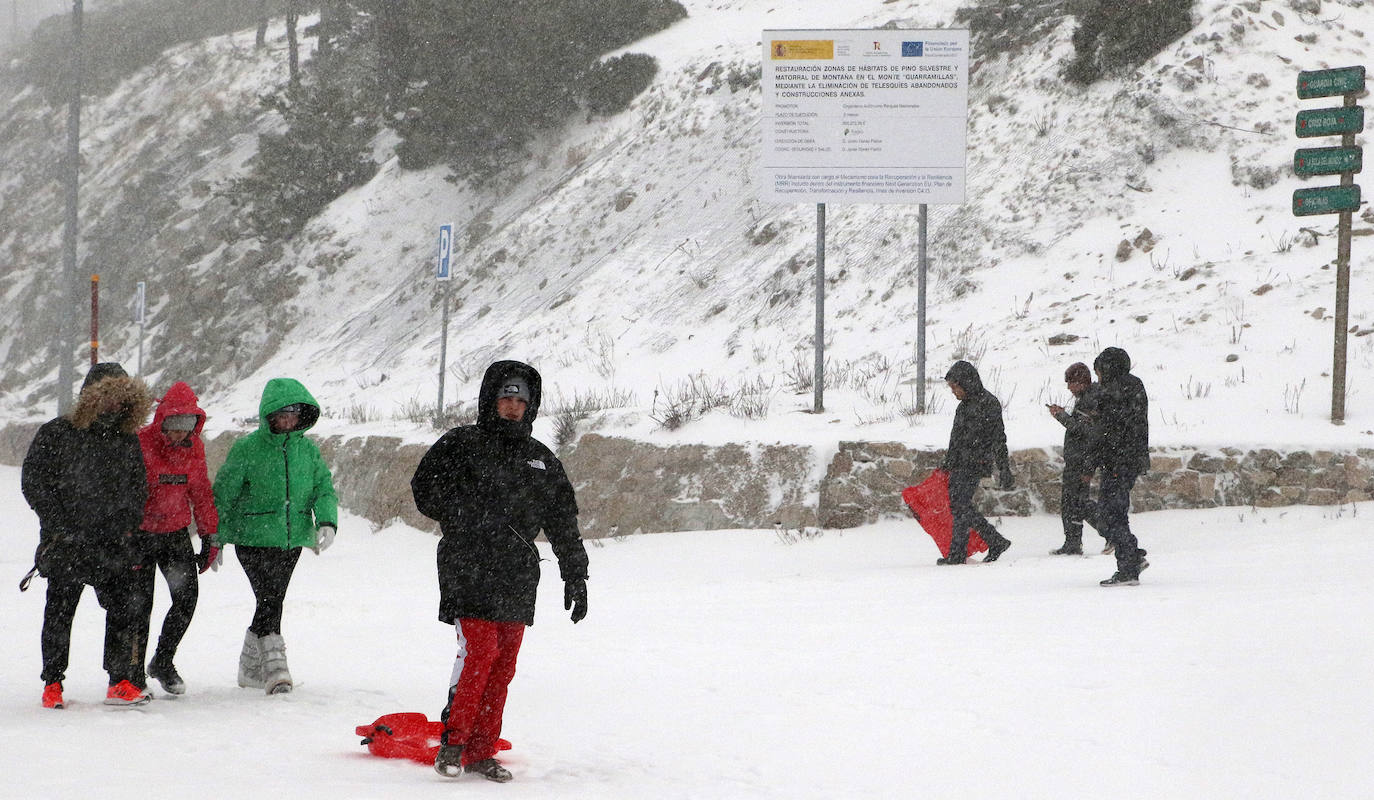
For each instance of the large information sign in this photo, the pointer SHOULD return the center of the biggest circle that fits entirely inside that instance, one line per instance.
(865, 116)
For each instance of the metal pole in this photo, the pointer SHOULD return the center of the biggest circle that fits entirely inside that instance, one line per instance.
(921, 311)
(1342, 293)
(140, 349)
(95, 320)
(819, 404)
(67, 313)
(443, 361)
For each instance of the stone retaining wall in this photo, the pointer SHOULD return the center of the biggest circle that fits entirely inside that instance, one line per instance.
(865, 478)
(625, 486)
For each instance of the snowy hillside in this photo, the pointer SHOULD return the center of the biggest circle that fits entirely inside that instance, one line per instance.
(730, 664)
(634, 255)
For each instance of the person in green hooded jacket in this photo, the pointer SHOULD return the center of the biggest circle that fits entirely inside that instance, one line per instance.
(275, 496)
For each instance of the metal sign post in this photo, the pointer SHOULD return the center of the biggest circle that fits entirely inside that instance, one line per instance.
(1346, 120)
(818, 393)
(140, 307)
(921, 310)
(442, 273)
(95, 319)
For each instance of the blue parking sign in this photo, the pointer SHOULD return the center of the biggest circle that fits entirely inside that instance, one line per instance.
(444, 267)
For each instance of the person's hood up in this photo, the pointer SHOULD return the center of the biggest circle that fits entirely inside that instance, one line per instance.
(1111, 363)
(491, 386)
(280, 392)
(966, 375)
(179, 399)
(108, 385)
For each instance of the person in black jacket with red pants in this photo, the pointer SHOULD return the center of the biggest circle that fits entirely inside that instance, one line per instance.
(493, 488)
(1124, 411)
(83, 476)
(977, 442)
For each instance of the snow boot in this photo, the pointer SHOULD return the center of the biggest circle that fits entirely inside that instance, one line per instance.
(52, 695)
(1120, 579)
(996, 549)
(276, 677)
(250, 662)
(166, 674)
(449, 760)
(1073, 546)
(951, 559)
(490, 769)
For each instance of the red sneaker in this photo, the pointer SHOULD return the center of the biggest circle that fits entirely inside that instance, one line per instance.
(52, 695)
(126, 694)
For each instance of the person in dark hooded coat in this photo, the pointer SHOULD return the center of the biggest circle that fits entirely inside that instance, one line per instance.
(493, 488)
(1124, 412)
(977, 444)
(83, 476)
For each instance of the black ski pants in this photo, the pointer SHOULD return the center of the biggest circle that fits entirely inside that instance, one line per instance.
(962, 486)
(123, 648)
(269, 572)
(173, 555)
(1076, 507)
(1115, 517)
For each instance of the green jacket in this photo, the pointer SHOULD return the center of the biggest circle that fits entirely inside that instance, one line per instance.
(274, 488)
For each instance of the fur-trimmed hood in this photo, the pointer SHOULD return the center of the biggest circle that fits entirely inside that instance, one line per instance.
(128, 396)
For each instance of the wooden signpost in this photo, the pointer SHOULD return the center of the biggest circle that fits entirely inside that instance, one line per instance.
(1344, 198)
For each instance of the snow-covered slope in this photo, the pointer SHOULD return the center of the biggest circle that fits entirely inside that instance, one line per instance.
(633, 254)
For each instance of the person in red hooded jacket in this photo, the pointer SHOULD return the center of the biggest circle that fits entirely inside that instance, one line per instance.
(178, 488)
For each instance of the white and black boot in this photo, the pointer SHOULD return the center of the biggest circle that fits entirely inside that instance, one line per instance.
(250, 662)
(276, 677)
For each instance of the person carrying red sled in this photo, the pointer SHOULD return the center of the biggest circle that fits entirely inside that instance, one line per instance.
(977, 443)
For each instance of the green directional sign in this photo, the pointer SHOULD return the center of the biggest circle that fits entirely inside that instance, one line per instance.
(1328, 160)
(1325, 200)
(1329, 82)
(1328, 121)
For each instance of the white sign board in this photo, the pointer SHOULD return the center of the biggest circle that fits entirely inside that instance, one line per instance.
(865, 116)
(443, 269)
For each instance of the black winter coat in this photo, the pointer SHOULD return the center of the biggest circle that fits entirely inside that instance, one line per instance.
(1125, 414)
(493, 488)
(83, 476)
(1083, 433)
(978, 440)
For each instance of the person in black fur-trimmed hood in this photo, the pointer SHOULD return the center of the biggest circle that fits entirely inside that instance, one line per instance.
(83, 476)
(493, 488)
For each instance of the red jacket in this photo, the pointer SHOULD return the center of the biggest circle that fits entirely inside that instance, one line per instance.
(177, 478)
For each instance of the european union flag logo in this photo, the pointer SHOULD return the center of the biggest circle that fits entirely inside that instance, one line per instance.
(910, 49)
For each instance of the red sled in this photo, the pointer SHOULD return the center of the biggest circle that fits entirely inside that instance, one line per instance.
(929, 504)
(407, 734)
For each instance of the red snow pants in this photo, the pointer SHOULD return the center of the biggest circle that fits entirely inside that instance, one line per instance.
(477, 694)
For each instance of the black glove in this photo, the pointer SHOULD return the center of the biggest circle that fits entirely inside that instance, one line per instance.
(575, 598)
(1005, 481)
(209, 554)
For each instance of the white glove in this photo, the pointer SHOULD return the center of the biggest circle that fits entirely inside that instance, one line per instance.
(324, 537)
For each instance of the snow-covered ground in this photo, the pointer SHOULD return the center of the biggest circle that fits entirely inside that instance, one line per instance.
(734, 664)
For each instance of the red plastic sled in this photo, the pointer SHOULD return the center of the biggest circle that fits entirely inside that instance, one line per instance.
(929, 504)
(408, 734)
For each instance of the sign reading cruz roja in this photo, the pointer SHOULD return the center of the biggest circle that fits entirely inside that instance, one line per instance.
(865, 116)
